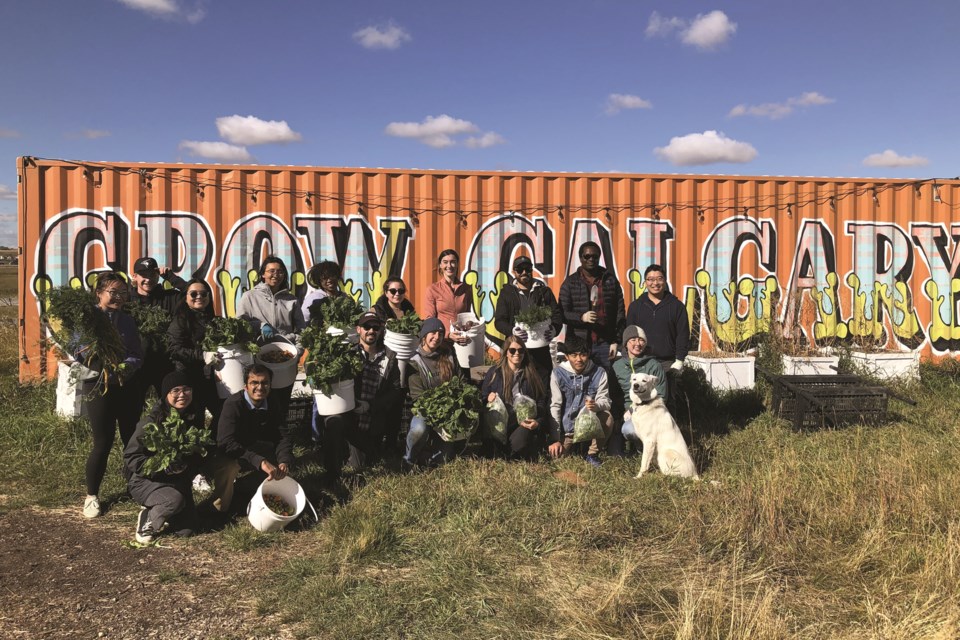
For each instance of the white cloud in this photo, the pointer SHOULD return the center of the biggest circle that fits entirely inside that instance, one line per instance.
(170, 9)
(6, 193)
(705, 32)
(8, 229)
(777, 110)
(616, 102)
(388, 36)
(216, 151)
(9, 133)
(434, 131)
(252, 130)
(891, 158)
(708, 147)
(489, 139)
(88, 134)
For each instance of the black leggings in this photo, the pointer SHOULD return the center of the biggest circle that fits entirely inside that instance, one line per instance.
(116, 408)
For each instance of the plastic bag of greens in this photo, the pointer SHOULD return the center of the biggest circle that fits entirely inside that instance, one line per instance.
(587, 426)
(495, 420)
(525, 407)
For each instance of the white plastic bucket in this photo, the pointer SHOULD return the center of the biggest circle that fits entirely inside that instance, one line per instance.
(260, 515)
(351, 336)
(284, 373)
(340, 399)
(230, 376)
(536, 334)
(404, 345)
(471, 354)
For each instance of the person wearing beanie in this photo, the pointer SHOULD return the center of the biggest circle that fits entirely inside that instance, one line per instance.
(635, 360)
(166, 495)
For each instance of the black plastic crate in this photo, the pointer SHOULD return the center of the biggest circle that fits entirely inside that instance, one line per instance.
(299, 413)
(811, 402)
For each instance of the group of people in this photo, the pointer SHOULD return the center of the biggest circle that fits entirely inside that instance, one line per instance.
(604, 344)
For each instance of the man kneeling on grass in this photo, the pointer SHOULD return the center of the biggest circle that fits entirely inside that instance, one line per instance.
(575, 384)
(251, 433)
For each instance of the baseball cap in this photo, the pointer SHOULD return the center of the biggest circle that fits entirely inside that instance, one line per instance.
(633, 331)
(369, 318)
(145, 265)
(522, 261)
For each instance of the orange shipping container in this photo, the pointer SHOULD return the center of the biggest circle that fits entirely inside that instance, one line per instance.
(869, 261)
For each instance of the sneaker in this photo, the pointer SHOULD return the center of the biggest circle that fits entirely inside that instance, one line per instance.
(91, 507)
(145, 531)
(593, 461)
(201, 485)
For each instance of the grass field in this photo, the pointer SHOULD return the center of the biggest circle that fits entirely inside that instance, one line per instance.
(8, 282)
(851, 533)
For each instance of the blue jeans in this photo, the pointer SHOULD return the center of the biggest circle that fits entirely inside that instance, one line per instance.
(419, 439)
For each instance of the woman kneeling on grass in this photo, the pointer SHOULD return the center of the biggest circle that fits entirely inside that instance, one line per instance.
(165, 493)
(514, 375)
(430, 366)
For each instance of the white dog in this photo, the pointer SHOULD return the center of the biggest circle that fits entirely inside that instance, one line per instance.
(657, 430)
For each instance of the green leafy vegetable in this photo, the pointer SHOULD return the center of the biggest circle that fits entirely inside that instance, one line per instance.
(340, 311)
(170, 443)
(152, 322)
(329, 359)
(525, 407)
(451, 408)
(587, 426)
(409, 324)
(495, 420)
(222, 332)
(84, 331)
(532, 315)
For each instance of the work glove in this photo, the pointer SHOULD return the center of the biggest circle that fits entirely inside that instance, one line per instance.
(267, 331)
(676, 367)
(520, 333)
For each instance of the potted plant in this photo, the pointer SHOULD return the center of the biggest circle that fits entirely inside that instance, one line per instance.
(535, 320)
(402, 335)
(452, 409)
(873, 359)
(725, 371)
(230, 343)
(331, 366)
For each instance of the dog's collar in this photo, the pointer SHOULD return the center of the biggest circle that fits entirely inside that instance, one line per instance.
(643, 402)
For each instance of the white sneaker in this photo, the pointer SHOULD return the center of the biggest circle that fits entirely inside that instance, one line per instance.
(145, 532)
(91, 507)
(200, 484)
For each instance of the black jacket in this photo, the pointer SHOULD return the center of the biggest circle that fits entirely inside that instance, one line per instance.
(154, 352)
(493, 382)
(251, 434)
(185, 336)
(382, 308)
(136, 454)
(666, 326)
(511, 302)
(575, 301)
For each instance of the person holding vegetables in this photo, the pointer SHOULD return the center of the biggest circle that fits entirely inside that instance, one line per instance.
(516, 382)
(250, 434)
(579, 404)
(431, 365)
(185, 339)
(324, 278)
(523, 294)
(162, 458)
(113, 355)
(393, 302)
(275, 314)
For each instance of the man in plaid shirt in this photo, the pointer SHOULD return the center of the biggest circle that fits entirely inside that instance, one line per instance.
(379, 396)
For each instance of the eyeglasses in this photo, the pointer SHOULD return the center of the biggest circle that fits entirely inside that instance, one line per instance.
(515, 350)
(117, 293)
(590, 256)
(273, 272)
(396, 292)
(654, 280)
(258, 384)
(526, 269)
(199, 294)
(180, 391)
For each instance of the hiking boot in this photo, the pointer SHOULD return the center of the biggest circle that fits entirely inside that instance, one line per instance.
(145, 532)
(593, 460)
(91, 507)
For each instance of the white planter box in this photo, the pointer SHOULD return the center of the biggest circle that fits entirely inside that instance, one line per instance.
(888, 365)
(810, 365)
(725, 373)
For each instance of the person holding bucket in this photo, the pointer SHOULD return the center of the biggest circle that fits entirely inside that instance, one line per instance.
(275, 313)
(379, 396)
(393, 302)
(165, 495)
(250, 433)
(431, 366)
(524, 292)
(449, 296)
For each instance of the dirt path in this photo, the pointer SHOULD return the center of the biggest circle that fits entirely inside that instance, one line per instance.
(65, 577)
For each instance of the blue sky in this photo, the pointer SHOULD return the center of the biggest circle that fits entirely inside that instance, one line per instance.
(856, 88)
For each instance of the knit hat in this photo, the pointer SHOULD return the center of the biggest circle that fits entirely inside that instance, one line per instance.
(173, 380)
(430, 325)
(633, 331)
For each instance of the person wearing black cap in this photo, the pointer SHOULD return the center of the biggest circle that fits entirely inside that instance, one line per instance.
(526, 291)
(635, 360)
(430, 366)
(165, 495)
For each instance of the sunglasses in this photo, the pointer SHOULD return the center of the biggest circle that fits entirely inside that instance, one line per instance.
(515, 350)
(370, 327)
(590, 256)
(527, 269)
(396, 292)
(198, 294)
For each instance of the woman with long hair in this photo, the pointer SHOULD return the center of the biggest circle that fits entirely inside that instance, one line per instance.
(185, 339)
(448, 296)
(109, 405)
(393, 302)
(430, 366)
(516, 374)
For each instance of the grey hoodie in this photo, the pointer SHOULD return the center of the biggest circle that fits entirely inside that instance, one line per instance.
(281, 311)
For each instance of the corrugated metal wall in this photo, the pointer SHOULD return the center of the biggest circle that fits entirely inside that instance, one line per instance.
(874, 261)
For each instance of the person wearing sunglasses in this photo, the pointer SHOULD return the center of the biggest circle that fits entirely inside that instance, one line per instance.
(393, 303)
(663, 317)
(516, 374)
(526, 291)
